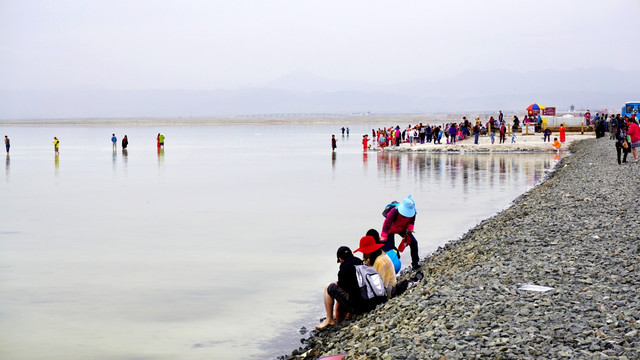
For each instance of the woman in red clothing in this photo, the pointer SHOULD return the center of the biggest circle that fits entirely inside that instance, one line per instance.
(634, 135)
(562, 133)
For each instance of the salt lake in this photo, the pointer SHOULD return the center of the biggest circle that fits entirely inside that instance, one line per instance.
(217, 246)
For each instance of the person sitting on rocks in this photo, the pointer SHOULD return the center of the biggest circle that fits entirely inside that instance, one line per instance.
(392, 254)
(345, 293)
(373, 256)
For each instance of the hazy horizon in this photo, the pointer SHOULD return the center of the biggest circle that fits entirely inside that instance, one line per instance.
(124, 58)
(211, 45)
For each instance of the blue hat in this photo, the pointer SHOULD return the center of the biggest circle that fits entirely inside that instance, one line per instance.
(407, 207)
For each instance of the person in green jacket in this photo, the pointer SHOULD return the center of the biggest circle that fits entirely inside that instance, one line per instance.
(160, 140)
(56, 145)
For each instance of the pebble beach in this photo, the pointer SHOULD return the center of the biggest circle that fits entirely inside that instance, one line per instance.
(554, 276)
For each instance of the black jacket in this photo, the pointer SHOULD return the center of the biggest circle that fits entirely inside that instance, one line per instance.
(348, 280)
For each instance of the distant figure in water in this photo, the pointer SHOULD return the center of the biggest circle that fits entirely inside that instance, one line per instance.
(342, 129)
(114, 141)
(160, 140)
(7, 143)
(125, 142)
(56, 146)
(334, 144)
(365, 142)
(347, 131)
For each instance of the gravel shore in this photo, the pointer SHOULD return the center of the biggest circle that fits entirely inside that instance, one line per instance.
(576, 233)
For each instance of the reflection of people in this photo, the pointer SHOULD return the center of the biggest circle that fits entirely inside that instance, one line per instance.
(114, 141)
(56, 145)
(7, 143)
(400, 220)
(334, 144)
(125, 142)
(345, 291)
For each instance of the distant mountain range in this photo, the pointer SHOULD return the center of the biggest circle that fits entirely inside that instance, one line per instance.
(304, 93)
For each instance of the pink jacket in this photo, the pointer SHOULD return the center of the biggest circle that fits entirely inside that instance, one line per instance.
(634, 132)
(396, 223)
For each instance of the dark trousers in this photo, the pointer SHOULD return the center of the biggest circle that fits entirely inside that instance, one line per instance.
(413, 246)
(619, 149)
(476, 136)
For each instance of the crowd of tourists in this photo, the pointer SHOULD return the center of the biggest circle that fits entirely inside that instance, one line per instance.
(452, 132)
(364, 283)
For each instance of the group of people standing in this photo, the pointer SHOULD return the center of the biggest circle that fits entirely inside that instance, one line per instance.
(114, 141)
(343, 298)
(420, 133)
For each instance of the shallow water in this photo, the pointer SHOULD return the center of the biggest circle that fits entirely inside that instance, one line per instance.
(217, 247)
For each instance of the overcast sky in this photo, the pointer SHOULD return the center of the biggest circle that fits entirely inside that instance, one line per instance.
(210, 44)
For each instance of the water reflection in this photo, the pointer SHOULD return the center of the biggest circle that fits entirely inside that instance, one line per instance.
(6, 167)
(468, 171)
(160, 157)
(125, 155)
(333, 160)
(56, 164)
(389, 165)
(114, 158)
